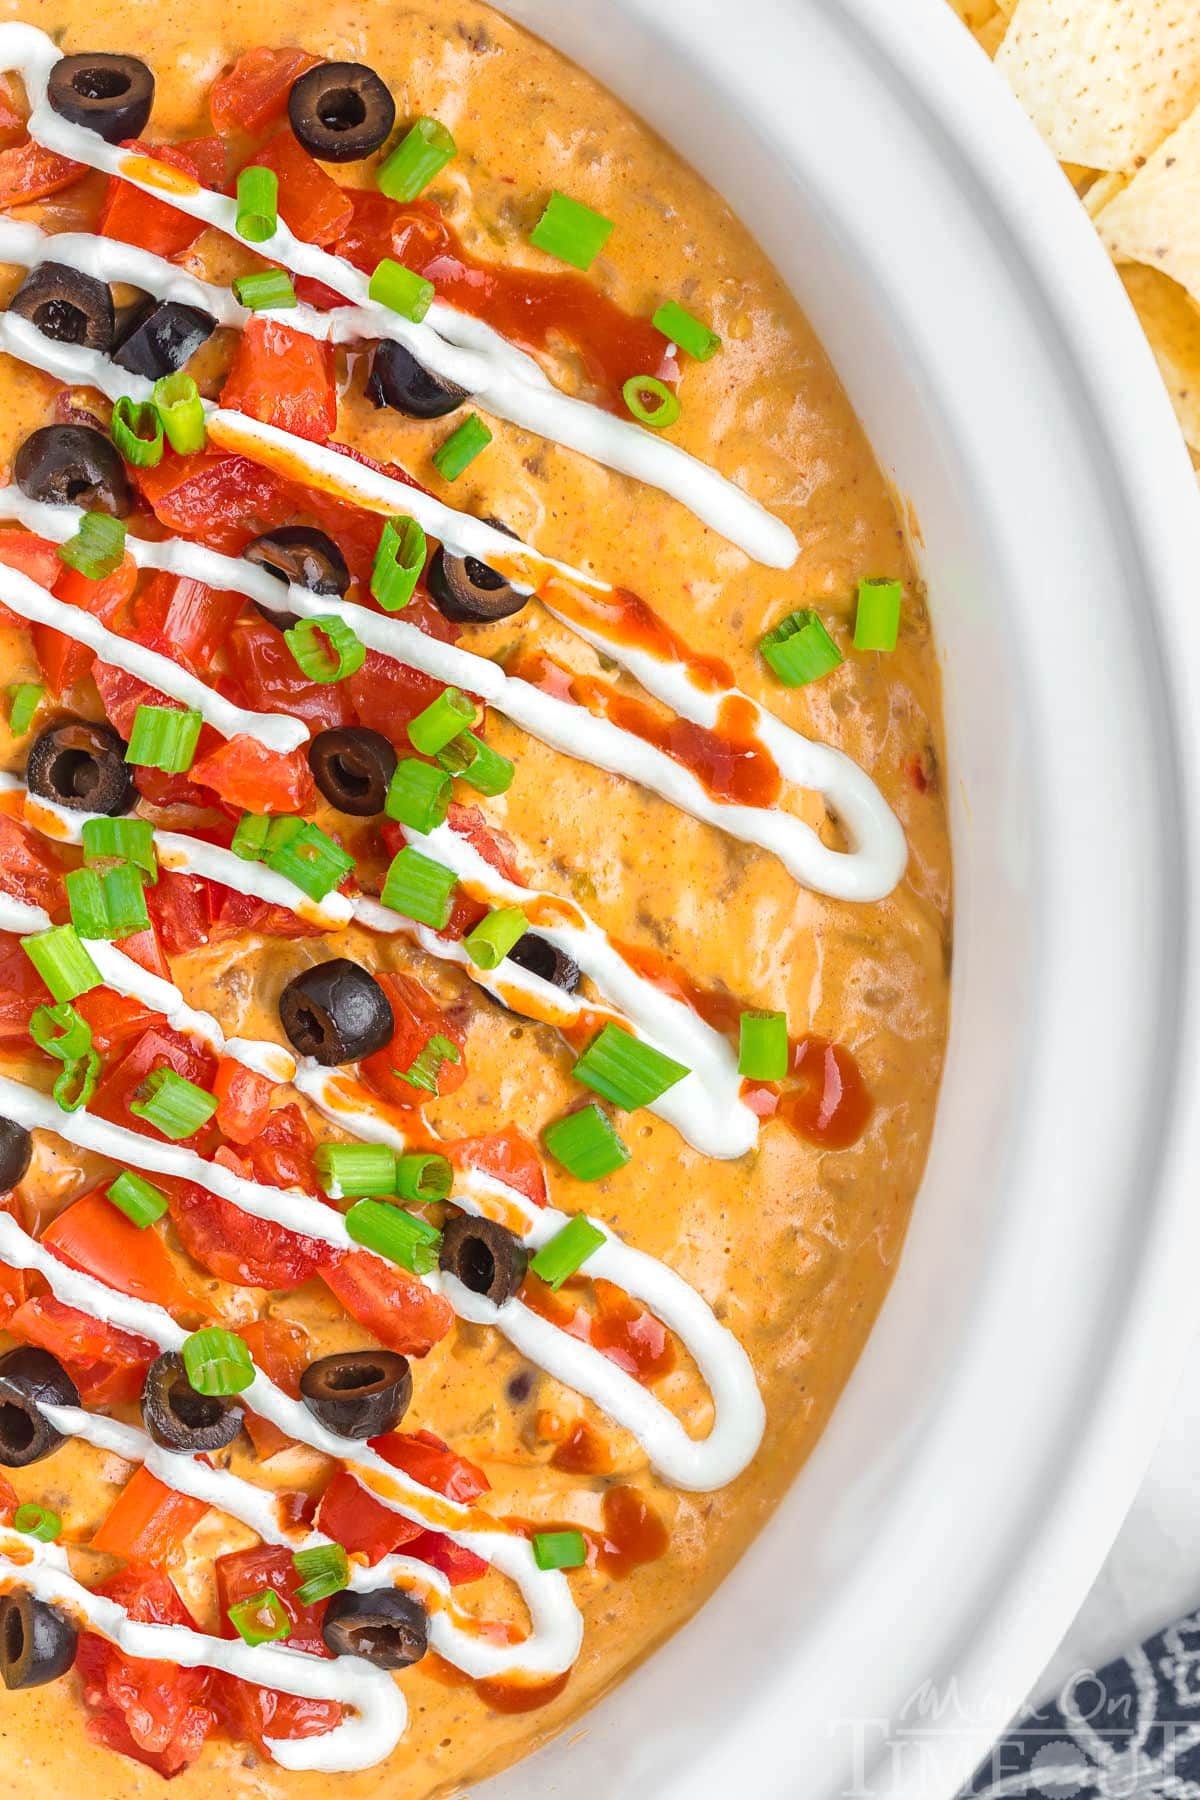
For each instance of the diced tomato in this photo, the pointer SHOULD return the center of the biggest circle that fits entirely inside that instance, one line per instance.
(184, 618)
(121, 694)
(386, 696)
(394, 1306)
(258, 1713)
(21, 989)
(495, 846)
(8, 1499)
(243, 1100)
(179, 911)
(176, 803)
(355, 1519)
(509, 1156)
(144, 949)
(254, 779)
(256, 89)
(32, 556)
(154, 1711)
(226, 500)
(159, 1048)
(93, 1235)
(285, 378)
(281, 1351)
(104, 599)
(63, 660)
(109, 1366)
(310, 202)
(458, 1564)
(114, 1018)
(30, 868)
(282, 1154)
(14, 1291)
(12, 115)
(235, 1246)
(418, 1017)
(433, 1463)
(147, 1521)
(27, 172)
(232, 914)
(265, 675)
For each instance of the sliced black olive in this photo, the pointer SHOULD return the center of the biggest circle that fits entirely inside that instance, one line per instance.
(486, 1257)
(469, 592)
(360, 1393)
(336, 1012)
(163, 339)
(37, 1642)
(16, 1152)
(81, 766)
(353, 768)
(341, 111)
(388, 1627)
(304, 555)
(29, 1376)
(67, 305)
(74, 465)
(398, 380)
(111, 95)
(541, 957)
(179, 1418)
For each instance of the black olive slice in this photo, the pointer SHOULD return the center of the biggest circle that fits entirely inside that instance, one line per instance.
(398, 380)
(111, 95)
(163, 339)
(301, 554)
(67, 305)
(359, 1393)
(74, 465)
(16, 1152)
(341, 111)
(336, 1012)
(81, 766)
(29, 1376)
(469, 592)
(541, 957)
(353, 767)
(37, 1642)
(486, 1257)
(389, 1628)
(179, 1418)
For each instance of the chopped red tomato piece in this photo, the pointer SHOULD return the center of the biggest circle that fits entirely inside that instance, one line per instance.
(232, 914)
(266, 676)
(27, 172)
(178, 909)
(509, 1156)
(21, 989)
(396, 1308)
(12, 116)
(285, 378)
(14, 1285)
(282, 1154)
(310, 202)
(433, 1463)
(159, 1048)
(144, 948)
(184, 619)
(109, 1366)
(254, 779)
(226, 500)
(256, 89)
(140, 218)
(355, 1519)
(63, 660)
(243, 1100)
(281, 1350)
(257, 1713)
(121, 694)
(113, 1017)
(386, 696)
(458, 1564)
(30, 868)
(93, 1235)
(156, 1712)
(147, 1521)
(235, 1246)
(104, 599)
(29, 555)
(495, 846)
(418, 1017)
(8, 1499)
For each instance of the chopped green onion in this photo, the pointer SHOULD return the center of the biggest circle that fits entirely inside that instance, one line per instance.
(217, 1361)
(799, 649)
(394, 286)
(257, 204)
(281, 832)
(425, 1069)
(571, 231)
(125, 901)
(163, 737)
(98, 547)
(586, 1144)
(137, 431)
(182, 412)
(423, 1176)
(172, 1104)
(493, 937)
(418, 795)
(61, 1031)
(62, 962)
(763, 1052)
(26, 698)
(625, 1070)
(356, 1171)
(138, 1199)
(476, 763)
(559, 1549)
(441, 721)
(267, 290)
(262, 1618)
(324, 1571)
(313, 861)
(683, 328)
(461, 448)
(250, 837)
(121, 840)
(85, 897)
(399, 560)
(420, 888)
(877, 621)
(651, 401)
(326, 649)
(420, 155)
(567, 1251)
(390, 1232)
(37, 1522)
(77, 1083)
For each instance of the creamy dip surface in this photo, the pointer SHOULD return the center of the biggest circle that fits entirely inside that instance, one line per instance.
(791, 1244)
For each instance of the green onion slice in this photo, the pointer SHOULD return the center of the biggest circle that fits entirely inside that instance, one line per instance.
(424, 1176)
(406, 293)
(217, 1361)
(267, 290)
(571, 231)
(586, 1144)
(324, 1571)
(626, 1070)
(683, 328)
(61, 1031)
(26, 698)
(399, 561)
(310, 859)
(125, 901)
(651, 401)
(98, 547)
(763, 1052)
(85, 897)
(461, 448)
(77, 1083)
(164, 737)
(356, 1171)
(418, 795)
(799, 649)
(424, 1071)
(107, 841)
(476, 763)
(326, 649)
(139, 1199)
(493, 937)
(567, 1251)
(441, 721)
(417, 158)
(261, 1618)
(37, 1522)
(172, 1104)
(390, 1232)
(420, 888)
(257, 204)
(137, 431)
(250, 837)
(182, 412)
(559, 1549)
(62, 962)
(877, 620)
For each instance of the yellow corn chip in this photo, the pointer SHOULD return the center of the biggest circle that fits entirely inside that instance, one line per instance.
(1172, 325)
(1156, 219)
(1104, 81)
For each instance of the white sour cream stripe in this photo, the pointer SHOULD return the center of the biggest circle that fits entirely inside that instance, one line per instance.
(377, 1712)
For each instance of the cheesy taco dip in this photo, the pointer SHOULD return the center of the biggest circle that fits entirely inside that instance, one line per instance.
(474, 894)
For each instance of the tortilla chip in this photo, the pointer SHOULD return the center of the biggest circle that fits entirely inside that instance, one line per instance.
(1172, 325)
(1104, 81)
(984, 19)
(1156, 219)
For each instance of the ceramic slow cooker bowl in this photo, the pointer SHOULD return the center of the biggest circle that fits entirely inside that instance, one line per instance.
(927, 1559)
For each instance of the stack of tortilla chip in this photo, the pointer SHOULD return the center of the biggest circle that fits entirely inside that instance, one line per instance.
(1114, 88)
